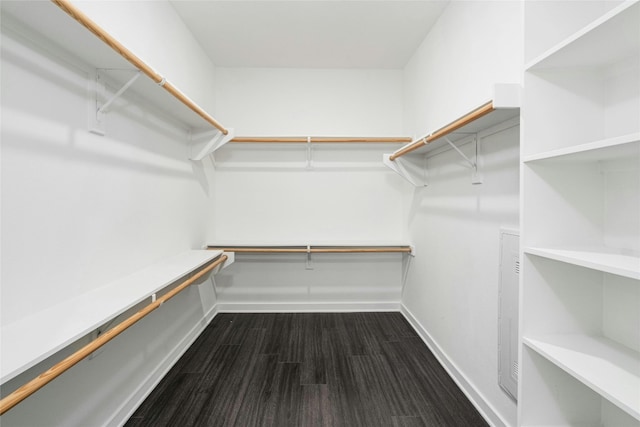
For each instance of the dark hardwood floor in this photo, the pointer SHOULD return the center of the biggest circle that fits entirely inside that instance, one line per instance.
(307, 369)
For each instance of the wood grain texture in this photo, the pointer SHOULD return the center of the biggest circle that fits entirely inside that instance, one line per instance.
(307, 369)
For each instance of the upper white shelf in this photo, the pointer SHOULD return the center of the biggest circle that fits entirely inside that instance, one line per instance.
(610, 39)
(605, 366)
(47, 25)
(606, 149)
(317, 245)
(602, 260)
(31, 340)
(504, 105)
(408, 162)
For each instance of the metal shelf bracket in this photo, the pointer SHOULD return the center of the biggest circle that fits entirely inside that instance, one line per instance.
(476, 176)
(203, 145)
(309, 265)
(309, 155)
(97, 108)
(411, 168)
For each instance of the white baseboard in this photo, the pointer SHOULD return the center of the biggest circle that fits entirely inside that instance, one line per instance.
(321, 307)
(477, 399)
(137, 397)
(153, 379)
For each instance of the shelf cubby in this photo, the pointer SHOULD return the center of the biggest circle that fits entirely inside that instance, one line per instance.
(563, 400)
(586, 323)
(560, 20)
(586, 87)
(590, 206)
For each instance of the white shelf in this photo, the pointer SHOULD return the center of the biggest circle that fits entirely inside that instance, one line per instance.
(46, 24)
(601, 259)
(497, 116)
(504, 113)
(31, 340)
(608, 40)
(313, 243)
(607, 149)
(608, 368)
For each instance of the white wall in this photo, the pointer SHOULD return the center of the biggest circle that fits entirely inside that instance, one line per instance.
(154, 32)
(265, 194)
(474, 45)
(277, 199)
(452, 289)
(81, 210)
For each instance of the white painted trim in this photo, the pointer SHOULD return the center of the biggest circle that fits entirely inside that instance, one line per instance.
(306, 307)
(487, 411)
(153, 379)
(136, 398)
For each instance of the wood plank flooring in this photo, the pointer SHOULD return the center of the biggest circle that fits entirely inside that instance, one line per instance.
(307, 369)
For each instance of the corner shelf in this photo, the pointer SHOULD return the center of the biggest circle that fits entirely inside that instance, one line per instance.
(31, 340)
(610, 369)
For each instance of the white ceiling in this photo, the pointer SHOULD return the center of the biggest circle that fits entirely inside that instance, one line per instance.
(310, 34)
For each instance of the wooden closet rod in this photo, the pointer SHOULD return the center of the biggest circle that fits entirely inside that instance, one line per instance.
(451, 127)
(43, 379)
(319, 139)
(318, 250)
(83, 19)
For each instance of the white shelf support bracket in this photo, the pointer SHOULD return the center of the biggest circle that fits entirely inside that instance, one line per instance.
(309, 265)
(104, 108)
(476, 176)
(98, 107)
(406, 260)
(309, 155)
(214, 286)
(201, 149)
(95, 119)
(471, 163)
(411, 168)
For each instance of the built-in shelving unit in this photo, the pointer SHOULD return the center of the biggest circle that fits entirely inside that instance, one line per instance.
(580, 286)
(409, 160)
(60, 27)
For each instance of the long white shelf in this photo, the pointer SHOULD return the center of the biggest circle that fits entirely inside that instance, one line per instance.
(609, 39)
(315, 243)
(623, 146)
(31, 340)
(52, 29)
(502, 112)
(497, 116)
(605, 366)
(596, 259)
(394, 246)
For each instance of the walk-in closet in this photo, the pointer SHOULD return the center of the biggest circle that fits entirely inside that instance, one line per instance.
(320, 213)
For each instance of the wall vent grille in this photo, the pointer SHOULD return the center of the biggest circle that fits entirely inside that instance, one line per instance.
(508, 313)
